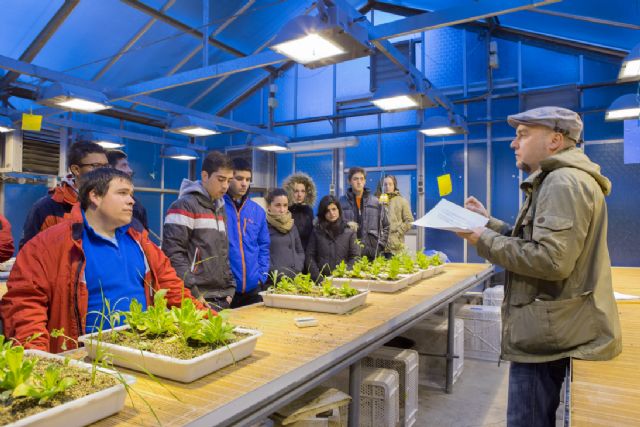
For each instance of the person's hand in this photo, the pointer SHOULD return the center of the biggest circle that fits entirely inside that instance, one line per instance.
(472, 236)
(476, 206)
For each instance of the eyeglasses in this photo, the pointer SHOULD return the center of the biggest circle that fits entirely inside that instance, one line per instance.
(94, 165)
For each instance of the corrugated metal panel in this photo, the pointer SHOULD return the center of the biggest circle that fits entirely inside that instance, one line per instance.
(383, 70)
(41, 151)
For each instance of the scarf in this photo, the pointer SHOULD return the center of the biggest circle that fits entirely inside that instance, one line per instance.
(283, 223)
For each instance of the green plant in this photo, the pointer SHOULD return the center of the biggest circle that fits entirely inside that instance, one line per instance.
(187, 317)
(347, 291)
(393, 268)
(303, 283)
(340, 270)
(14, 370)
(155, 321)
(44, 387)
(422, 260)
(216, 330)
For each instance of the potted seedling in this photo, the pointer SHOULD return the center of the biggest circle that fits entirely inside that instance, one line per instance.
(182, 344)
(380, 275)
(429, 265)
(43, 389)
(301, 293)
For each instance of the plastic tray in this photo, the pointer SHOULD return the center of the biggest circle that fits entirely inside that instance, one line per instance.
(317, 304)
(432, 271)
(183, 370)
(386, 286)
(83, 411)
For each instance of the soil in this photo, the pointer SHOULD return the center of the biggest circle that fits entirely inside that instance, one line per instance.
(166, 346)
(314, 293)
(16, 409)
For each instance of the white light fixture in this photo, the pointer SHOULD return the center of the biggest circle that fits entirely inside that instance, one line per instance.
(6, 125)
(630, 69)
(323, 144)
(267, 143)
(624, 108)
(179, 153)
(399, 95)
(312, 47)
(330, 37)
(71, 97)
(444, 125)
(192, 126)
(105, 140)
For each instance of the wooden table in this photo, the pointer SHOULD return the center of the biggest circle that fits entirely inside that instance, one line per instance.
(289, 361)
(608, 393)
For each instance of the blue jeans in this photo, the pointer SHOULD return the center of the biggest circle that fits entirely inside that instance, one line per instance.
(534, 393)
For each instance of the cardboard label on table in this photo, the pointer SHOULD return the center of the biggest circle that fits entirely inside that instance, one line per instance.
(31, 122)
(444, 185)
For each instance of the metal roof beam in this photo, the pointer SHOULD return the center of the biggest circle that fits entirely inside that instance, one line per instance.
(47, 74)
(459, 14)
(588, 19)
(193, 76)
(42, 38)
(133, 40)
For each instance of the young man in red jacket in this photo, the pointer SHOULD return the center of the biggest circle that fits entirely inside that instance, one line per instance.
(65, 274)
(6, 240)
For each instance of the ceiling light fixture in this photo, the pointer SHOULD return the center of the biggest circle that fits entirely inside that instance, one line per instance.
(447, 125)
(192, 126)
(624, 108)
(630, 69)
(71, 97)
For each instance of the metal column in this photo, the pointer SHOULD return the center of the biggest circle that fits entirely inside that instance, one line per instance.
(451, 330)
(355, 379)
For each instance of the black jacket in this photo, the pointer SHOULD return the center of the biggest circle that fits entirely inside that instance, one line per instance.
(193, 223)
(303, 219)
(373, 224)
(325, 251)
(140, 213)
(287, 254)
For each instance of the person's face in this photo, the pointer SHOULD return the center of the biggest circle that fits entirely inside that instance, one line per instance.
(387, 186)
(279, 205)
(299, 192)
(217, 183)
(332, 214)
(240, 183)
(88, 163)
(123, 166)
(116, 206)
(531, 146)
(357, 182)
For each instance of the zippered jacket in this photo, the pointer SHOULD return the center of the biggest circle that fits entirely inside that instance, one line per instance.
(46, 289)
(195, 240)
(249, 243)
(373, 223)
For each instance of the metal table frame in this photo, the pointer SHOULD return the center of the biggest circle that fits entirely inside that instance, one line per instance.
(265, 400)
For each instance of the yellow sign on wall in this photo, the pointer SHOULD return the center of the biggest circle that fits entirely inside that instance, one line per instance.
(31, 122)
(444, 185)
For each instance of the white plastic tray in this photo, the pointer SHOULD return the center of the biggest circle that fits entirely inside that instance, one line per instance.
(183, 370)
(386, 286)
(432, 271)
(79, 412)
(317, 304)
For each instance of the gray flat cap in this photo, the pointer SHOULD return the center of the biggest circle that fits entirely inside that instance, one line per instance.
(559, 119)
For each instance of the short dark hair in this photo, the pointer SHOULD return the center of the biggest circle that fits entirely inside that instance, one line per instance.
(324, 206)
(356, 169)
(114, 156)
(276, 192)
(80, 150)
(98, 180)
(215, 161)
(240, 164)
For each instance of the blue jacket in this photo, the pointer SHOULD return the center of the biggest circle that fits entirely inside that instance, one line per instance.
(248, 243)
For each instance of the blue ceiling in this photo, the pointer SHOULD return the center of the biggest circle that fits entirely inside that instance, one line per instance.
(97, 30)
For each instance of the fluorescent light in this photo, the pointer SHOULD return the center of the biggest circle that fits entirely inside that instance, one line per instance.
(182, 157)
(179, 153)
(81, 105)
(323, 144)
(267, 143)
(5, 129)
(197, 131)
(630, 69)
(309, 48)
(71, 97)
(6, 125)
(624, 107)
(272, 148)
(395, 103)
(438, 131)
(109, 145)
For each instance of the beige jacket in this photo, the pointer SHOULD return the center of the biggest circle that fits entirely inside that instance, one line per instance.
(558, 297)
(400, 219)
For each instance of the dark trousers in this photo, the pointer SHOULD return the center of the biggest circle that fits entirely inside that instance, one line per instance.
(247, 298)
(534, 393)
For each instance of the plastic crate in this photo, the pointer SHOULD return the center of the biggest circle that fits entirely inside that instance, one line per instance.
(405, 362)
(482, 331)
(430, 337)
(379, 398)
(493, 296)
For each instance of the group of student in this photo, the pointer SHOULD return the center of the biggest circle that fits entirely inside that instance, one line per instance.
(86, 250)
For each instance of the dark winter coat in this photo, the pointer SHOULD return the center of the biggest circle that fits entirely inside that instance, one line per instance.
(287, 254)
(303, 220)
(326, 251)
(302, 213)
(193, 223)
(140, 213)
(373, 224)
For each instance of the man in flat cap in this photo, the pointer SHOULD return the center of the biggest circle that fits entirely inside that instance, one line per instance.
(559, 300)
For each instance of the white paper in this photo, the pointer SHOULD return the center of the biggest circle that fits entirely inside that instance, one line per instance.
(449, 216)
(623, 297)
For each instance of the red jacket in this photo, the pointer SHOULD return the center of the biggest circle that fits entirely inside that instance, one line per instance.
(6, 240)
(46, 288)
